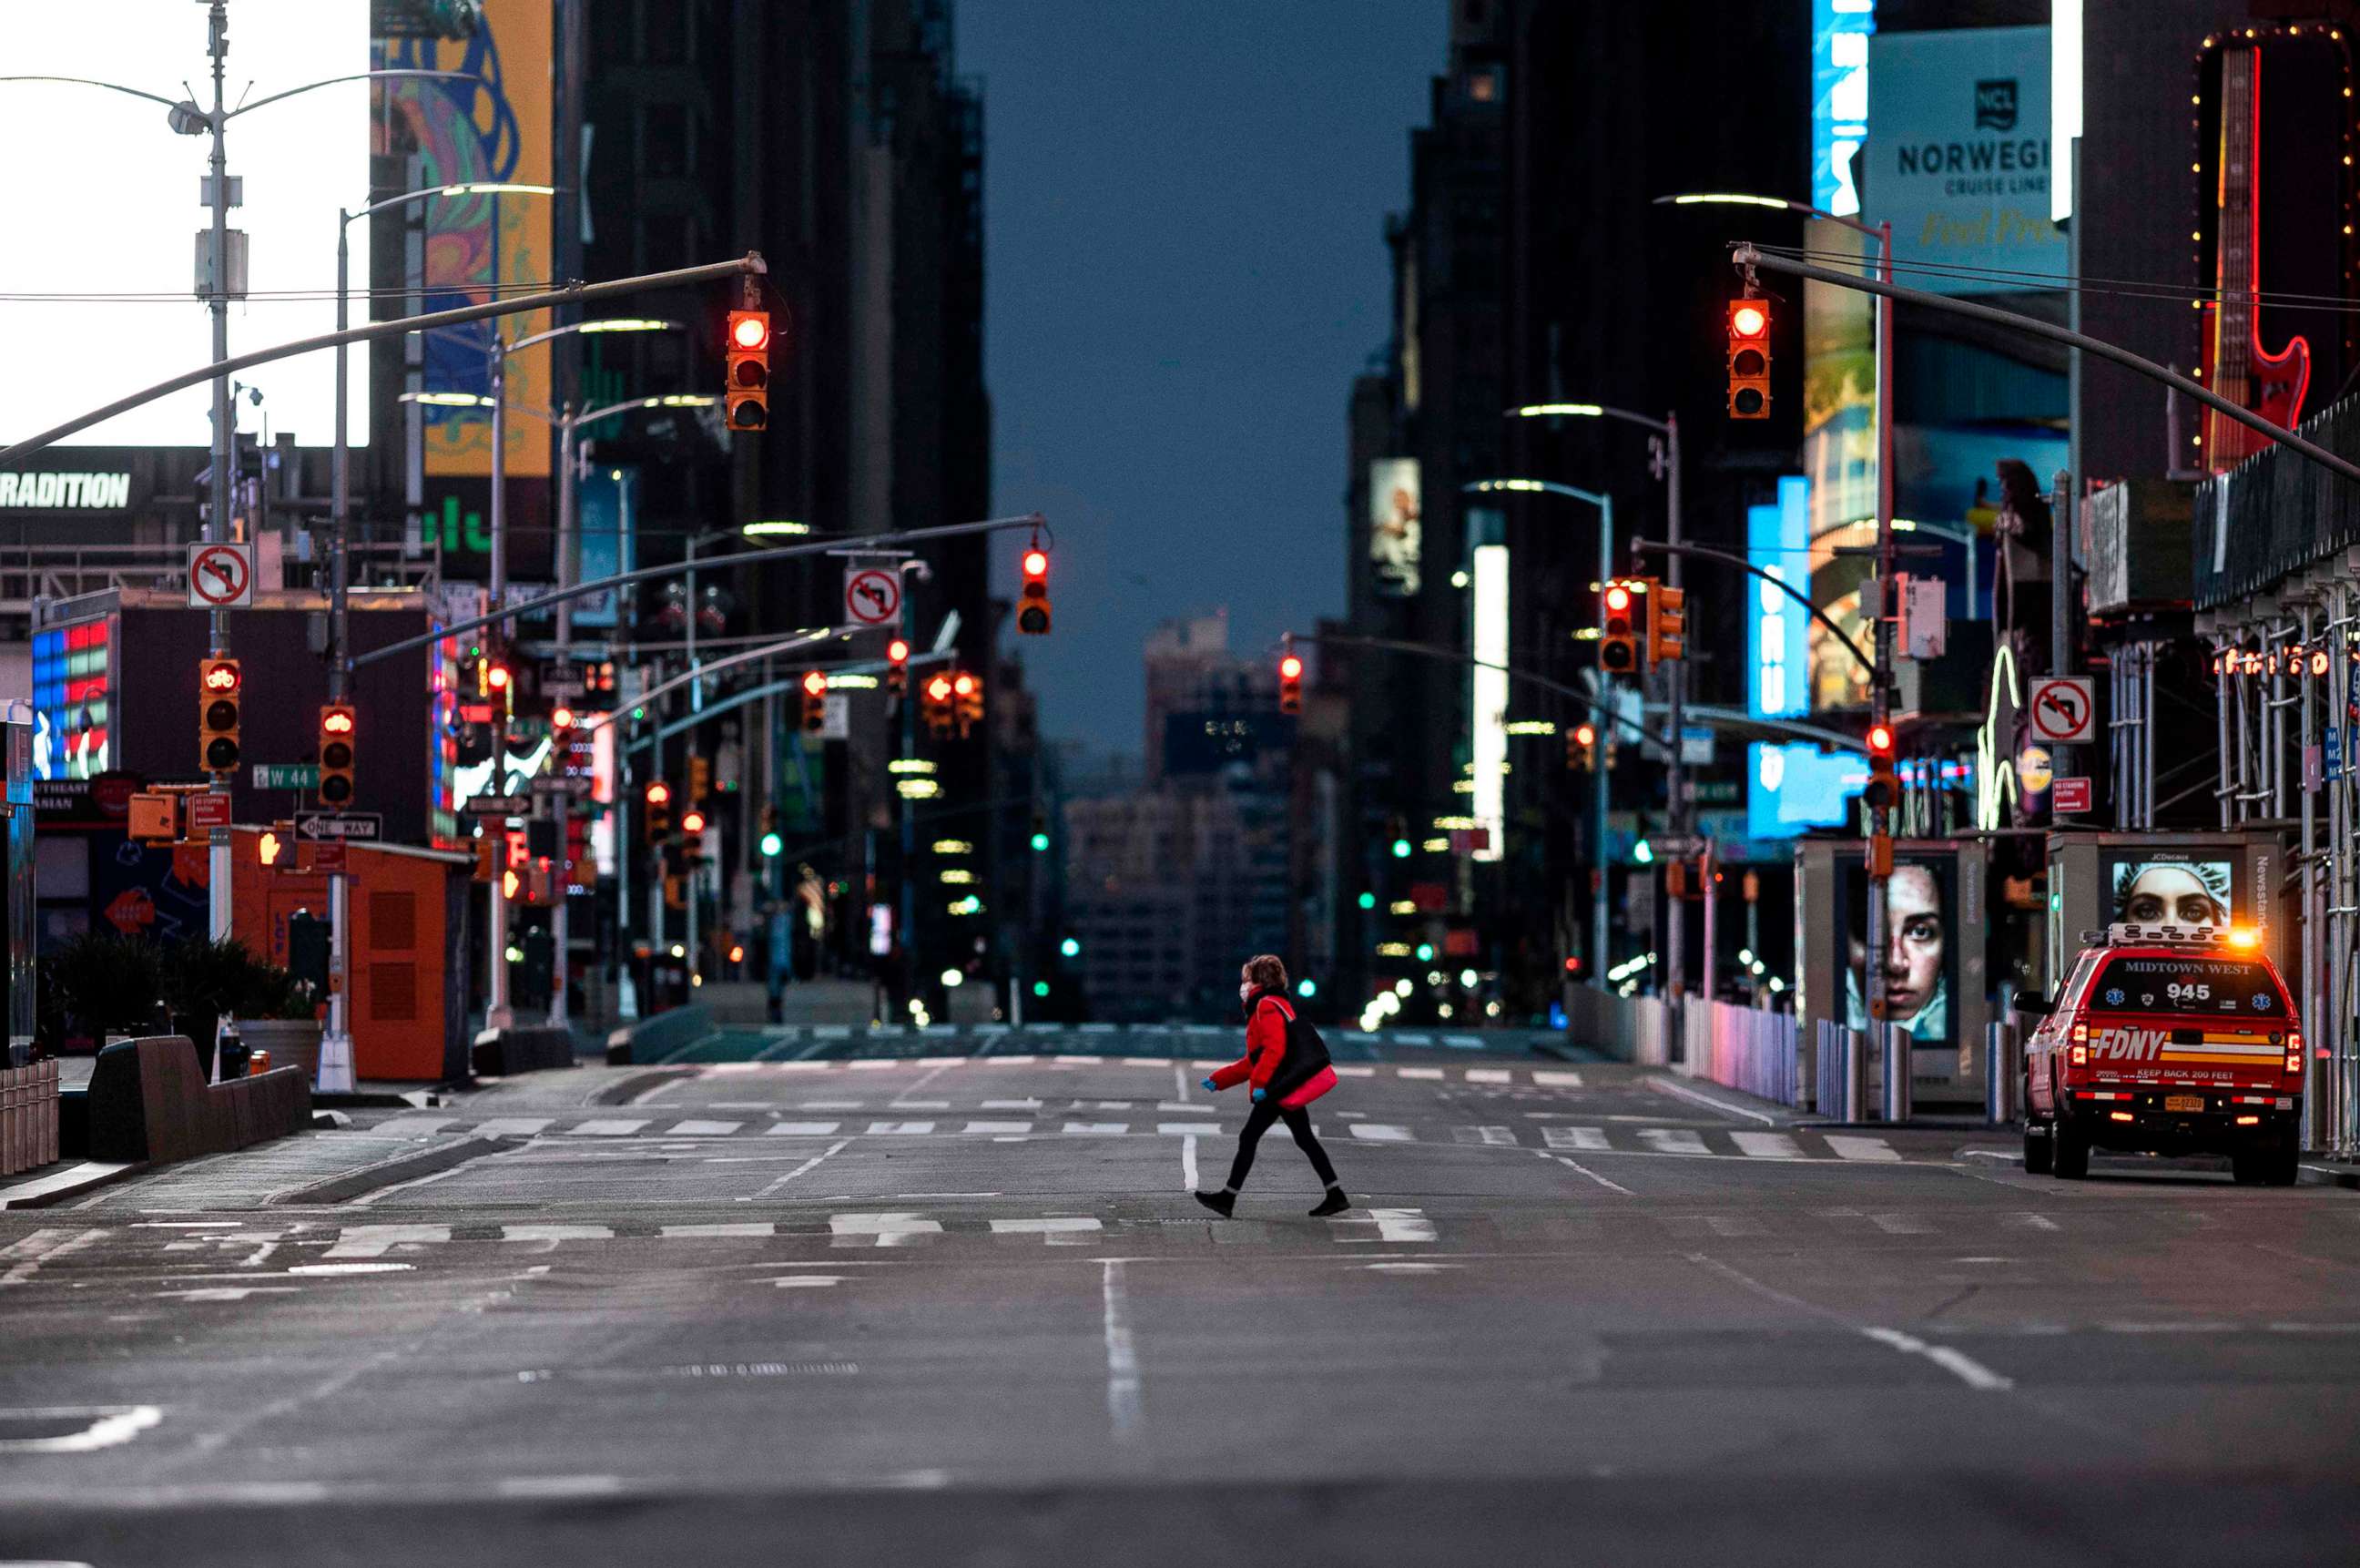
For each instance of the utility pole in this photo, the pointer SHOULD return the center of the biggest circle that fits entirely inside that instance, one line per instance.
(1675, 920)
(1895, 1043)
(498, 1013)
(1599, 777)
(560, 922)
(217, 516)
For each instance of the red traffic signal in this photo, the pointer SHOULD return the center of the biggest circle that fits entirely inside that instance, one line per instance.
(745, 390)
(658, 793)
(1880, 741)
(336, 727)
(561, 717)
(1587, 734)
(815, 685)
(1618, 644)
(1749, 359)
(221, 675)
(897, 667)
(219, 697)
(1032, 604)
(1290, 682)
(692, 821)
(750, 330)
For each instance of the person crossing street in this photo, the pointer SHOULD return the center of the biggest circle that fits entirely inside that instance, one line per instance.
(1286, 1065)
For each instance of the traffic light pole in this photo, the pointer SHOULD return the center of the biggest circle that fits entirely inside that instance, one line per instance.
(1675, 927)
(498, 1013)
(560, 921)
(218, 868)
(1894, 1043)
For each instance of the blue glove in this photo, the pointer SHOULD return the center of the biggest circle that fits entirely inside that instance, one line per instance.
(1210, 1087)
(1258, 1094)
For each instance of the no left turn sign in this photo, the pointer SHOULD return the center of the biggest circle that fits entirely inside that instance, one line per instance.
(221, 576)
(2062, 709)
(872, 596)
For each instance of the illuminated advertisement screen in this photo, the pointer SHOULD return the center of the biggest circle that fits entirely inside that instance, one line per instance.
(102, 220)
(1919, 968)
(2168, 890)
(73, 700)
(1777, 541)
(1397, 536)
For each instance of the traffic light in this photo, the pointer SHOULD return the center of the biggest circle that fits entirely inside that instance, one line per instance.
(1032, 608)
(1040, 832)
(746, 398)
(1749, 359)
(967, 693)
(336, 755)
(488, 850)
(1582, 748)
(814, 685)
(691, 832)
(699, 777)
(1667, 623)
(221, 692)
(896, 668)
(1618, 647)
(939, 704)
(1883, 791)
(1290, 682)
(1676, 879)
(770, 843)
(659, 800)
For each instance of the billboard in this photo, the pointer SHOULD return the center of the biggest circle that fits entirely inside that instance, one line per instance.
(106, 204)
(1488, 707)
(1397, 536)
(1839, 30)
(1959, 162)
(497, 126)
(1934, 968)
(1778, 541)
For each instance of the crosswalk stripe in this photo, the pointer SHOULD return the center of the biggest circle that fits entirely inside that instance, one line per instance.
(1850, 1147)
(1432, 1073)
(1401, 1225)
(1188, 1129)
(376, 1240)
(802, 1129)
(610, 1127)
(1051, 1227)
(2030, 1222)
(1381, 1133)
(514, 1127)
(1556, 1080)
(908, 1128)
(1901, 1225)
(1674, 1140)
(1494, 1135)
(1356, 1072)
(1592, 1138)
(974, 1129)
(726, 1228)
(1767, 1146)
(695, 1129)
(1011, 1105)
(552, 1235)
(890, 1230)
(415, 1127)
(873, 1064)
(1097, 1129)
(1489, 1075)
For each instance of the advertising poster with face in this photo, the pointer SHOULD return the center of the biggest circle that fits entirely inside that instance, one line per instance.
(1396, 531)
(1919, 969)
(2166, 890)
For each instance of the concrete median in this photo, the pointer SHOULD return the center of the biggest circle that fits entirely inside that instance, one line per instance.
(149, 1103)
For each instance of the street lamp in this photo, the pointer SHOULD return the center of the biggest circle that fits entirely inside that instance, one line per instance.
(1666, 443)
(1605, 505)
(1895, 1048)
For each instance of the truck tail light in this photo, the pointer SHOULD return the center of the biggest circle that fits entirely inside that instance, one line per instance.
(2249, 1121)
(2119, 1116)
(2081, 1056)
(2294, 1052)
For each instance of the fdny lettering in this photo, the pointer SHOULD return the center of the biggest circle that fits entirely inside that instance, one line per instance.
(2126, 1045)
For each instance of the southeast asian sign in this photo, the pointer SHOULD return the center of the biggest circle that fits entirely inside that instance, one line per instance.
(1959, 156)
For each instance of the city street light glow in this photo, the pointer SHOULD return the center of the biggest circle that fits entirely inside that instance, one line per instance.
(498, 188)
(446, 400)
(1730, 199)
(953, 980)
(626, 324)
(773, 528)
(1549, 410)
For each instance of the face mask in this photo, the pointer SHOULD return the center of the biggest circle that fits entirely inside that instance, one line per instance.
(1245, 991)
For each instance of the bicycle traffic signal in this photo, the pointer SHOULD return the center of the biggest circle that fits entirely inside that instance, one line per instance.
(745, 397)
(896, 668)
(1749, 359)
(221, 693)
(336, 755)
(1032, 606)
(1667, 623)
(814, 687)
(1290, 682)
(1618, 647)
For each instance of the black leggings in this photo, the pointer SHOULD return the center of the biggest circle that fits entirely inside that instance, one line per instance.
(1298, 1122)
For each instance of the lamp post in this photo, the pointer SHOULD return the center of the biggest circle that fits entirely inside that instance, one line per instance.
(499, 1014)
(1893, 1043)
(1598, 802)
(1667, 446)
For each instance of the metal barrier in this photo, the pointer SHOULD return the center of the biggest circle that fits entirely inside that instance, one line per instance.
(2003, 1072)
(1745, 1048)
(28, 1116)
(1841, 1078)
(1628, 1028)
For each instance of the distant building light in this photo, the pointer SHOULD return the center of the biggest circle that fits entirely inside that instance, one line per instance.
(956, 876)
(1393, 949)
(918, 789)
(1402, 906)
(953, 847)
(852, 683)
(1532, 727)
(1436, 846)
(909, 765)
(953, 980)
(773, 528)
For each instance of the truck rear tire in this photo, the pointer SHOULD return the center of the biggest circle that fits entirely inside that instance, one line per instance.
(2282, 1166)
(2071, 1154)
(2040, 1148)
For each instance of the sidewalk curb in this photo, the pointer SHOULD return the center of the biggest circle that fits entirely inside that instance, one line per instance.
(388, 1172)
(2329, 1176)
(85, 1176)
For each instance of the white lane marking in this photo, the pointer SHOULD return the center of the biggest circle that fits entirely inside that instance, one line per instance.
(331, 1269)
(2029, 1221)
(1556, 1080)
(1610, 1185)
(1957, 1362)
(694, 1129)
(1493, 1136)
(1432, 1074)
(1403, 1225)
(225, 1293)
(376, 1240)
(413, 1126)
(1187, 1129)
(1671, 1086)
(943, 1061)
(829, 1104)
(1848, 1145)
(808, 1281)
(558, 1486)
(609, 1128)
(1122, 1358)
(802, 1129)
(109, 1425)
(980, 1127)
(917, 1105)
(1593, 1138)
(1010, 1105)
(874, 1064)
(827, 1153)
(43, 1246)
(725, 1228)
(911, 1129)
(1055, 1228)
(1097, 1129)
(889, 1230)
(1105, 1104)
(1901, 1225)
(1179, 1107)
(1010, 1061)
(1188, 1164)
(550, 1235)
(1674, 1140)
(1179, 1083)
(1078, 1061)
(1381, 1133)
(1356, 1071)
(1767, 1146)
(514, 1127)
(1489, 1075)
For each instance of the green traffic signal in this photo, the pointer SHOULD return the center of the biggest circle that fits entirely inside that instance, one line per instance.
(1368, 900)
(1401, 849)
(1039, 988)
(1643, 852)
(771, 845)
(1040, 842)
(1070, 947)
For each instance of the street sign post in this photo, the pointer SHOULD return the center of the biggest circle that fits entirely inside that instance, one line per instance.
(319, 826)
(221, 576)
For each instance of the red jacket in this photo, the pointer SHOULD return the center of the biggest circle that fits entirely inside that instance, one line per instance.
(1265, 1048)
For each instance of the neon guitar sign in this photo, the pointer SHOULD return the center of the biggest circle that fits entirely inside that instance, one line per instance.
(2235, 365)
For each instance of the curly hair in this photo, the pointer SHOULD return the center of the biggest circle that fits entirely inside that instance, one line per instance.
(1266, 972)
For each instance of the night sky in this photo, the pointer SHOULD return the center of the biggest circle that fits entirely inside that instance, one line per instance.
(1184, 210)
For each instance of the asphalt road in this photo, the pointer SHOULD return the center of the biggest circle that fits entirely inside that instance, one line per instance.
(962, 1310)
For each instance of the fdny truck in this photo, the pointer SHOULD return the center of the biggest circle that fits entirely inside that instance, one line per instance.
(2171, 1040)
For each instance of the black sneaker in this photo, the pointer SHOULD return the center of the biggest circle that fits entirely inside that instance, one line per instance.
(1334, 1203)
(1219, 1202)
